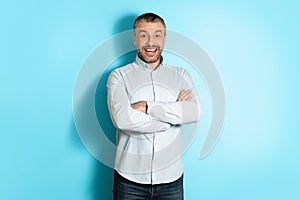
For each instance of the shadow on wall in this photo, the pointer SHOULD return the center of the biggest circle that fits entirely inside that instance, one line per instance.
(102, 182)
(122, 24)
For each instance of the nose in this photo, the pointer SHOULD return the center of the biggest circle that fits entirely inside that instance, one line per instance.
(150, 40)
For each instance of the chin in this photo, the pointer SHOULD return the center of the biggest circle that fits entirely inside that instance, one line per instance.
(142, 55)
(152, 60)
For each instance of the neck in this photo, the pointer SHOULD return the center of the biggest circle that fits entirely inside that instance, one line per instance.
(153, 65)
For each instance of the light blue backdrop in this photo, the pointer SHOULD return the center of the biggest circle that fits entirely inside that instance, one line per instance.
(255, 47)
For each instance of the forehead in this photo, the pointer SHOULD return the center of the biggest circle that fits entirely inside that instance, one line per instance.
(149, 26)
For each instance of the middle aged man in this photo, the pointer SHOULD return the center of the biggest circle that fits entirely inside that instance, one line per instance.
(148, 102)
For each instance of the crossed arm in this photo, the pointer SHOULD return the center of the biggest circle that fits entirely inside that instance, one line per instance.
(185, 95)
(123, 116)
(149, 117)
(185, 110)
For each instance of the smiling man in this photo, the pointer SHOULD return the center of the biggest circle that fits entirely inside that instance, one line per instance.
(148, 102)
(149, 38)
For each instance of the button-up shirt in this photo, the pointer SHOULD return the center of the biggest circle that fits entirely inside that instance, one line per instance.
(149, 145)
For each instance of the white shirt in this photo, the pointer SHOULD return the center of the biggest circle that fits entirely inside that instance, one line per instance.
(149, 145)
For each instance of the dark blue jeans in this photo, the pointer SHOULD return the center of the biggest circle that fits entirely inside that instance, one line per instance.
(127, 190)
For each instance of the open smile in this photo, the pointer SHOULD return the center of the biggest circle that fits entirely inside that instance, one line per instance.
(150, 49)
(150, 52)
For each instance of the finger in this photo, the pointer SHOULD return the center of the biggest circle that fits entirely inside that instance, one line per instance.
(182, 95)
(185, 95)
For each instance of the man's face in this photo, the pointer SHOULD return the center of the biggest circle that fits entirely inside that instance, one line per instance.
(149, 38)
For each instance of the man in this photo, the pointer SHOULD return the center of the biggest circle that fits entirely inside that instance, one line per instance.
(148, 102)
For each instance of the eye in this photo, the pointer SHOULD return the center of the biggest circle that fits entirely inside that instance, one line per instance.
(142, 36)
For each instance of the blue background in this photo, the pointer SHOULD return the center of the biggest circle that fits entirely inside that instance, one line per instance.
(254, 45)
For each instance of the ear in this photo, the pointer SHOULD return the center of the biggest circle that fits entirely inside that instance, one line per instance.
(134, 38)
(164, 42)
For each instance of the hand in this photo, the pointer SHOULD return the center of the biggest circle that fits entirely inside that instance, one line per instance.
(185, 95)
(141, 106)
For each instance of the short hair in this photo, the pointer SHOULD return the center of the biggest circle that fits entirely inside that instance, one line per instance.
(148, 17)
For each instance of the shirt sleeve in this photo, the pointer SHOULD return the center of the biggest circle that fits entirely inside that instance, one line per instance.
(179, 112)
(123, 116)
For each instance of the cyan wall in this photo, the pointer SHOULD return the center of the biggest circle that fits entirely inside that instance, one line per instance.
(255, 47)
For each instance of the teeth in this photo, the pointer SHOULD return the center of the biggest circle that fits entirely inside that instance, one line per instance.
(151, 50)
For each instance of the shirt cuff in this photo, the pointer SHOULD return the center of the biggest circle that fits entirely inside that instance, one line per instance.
(150, 105)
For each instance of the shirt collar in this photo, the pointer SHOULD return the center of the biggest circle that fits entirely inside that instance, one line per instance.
(141, 63)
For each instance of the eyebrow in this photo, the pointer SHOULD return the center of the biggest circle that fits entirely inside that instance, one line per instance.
(140, 31)
(143, 31)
